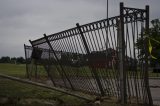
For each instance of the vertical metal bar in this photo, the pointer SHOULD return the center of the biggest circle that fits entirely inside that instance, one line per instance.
(128, 51)
(49, 44)
(88, 53)
(92, 89)
(112, 73)
(27, 73)
(36, 71)
(57, 67)
(108, 45)
(122, 57)
(137, 74)
(48, 68)
(32, 60)
(60, 73)
(146, 58)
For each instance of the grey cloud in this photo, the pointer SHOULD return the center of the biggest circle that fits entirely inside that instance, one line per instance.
(21, 20)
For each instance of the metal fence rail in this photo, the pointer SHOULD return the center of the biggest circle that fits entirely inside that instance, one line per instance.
(100, 58)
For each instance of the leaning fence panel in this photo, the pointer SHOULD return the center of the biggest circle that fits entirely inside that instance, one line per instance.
(89, 58)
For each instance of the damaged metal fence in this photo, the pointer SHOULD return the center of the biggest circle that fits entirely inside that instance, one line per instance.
(99, 58)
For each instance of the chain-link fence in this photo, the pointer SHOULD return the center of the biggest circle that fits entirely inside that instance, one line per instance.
(106, 58)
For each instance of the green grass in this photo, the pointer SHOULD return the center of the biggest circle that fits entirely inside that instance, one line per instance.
(18, 70)
(25, 94)
(18, 94)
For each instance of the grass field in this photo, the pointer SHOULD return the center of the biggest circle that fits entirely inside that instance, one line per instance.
(18, 70)
(13, 93)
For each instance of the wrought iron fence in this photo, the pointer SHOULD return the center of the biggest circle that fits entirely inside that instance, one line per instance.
(100, 58)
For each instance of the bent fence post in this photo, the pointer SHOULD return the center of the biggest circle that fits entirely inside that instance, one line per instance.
(88, 53)
(58, 61)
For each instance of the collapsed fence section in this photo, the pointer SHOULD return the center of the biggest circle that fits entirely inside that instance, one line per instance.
(107, 58)
(34, 68)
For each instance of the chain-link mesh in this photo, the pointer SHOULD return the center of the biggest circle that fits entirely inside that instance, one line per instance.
(87, 58)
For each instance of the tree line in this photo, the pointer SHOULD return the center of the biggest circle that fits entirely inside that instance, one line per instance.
(14, 60)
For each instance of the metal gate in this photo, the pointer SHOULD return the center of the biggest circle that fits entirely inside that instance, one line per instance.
(101, 57)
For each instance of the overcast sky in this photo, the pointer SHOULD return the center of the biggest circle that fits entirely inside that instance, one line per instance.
(21, 20)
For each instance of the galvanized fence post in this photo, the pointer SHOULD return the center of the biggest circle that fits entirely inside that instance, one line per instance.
(33, 61)
(146, 58)
(27, 73)
(122, 57)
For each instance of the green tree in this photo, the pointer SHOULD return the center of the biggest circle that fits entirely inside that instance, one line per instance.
(20, 60)
(14, 60)
(153, 43)
(5, 59)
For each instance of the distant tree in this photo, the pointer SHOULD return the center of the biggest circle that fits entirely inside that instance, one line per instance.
(5, 59)
(14, 60)
(20, 60)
